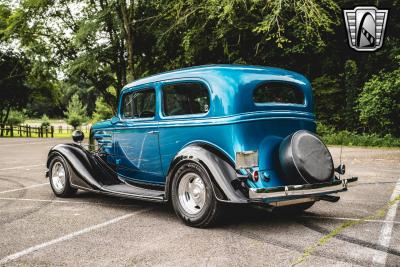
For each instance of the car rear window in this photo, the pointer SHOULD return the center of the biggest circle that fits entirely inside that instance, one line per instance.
(139, 104)
(275, 92)
(185, 99)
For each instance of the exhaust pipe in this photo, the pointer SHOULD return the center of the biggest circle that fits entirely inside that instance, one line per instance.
(329, 198)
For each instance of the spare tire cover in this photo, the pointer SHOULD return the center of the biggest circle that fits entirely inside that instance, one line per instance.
(304, 158)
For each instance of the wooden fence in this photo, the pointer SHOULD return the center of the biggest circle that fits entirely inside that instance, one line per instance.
(26, 130)
(67, 129)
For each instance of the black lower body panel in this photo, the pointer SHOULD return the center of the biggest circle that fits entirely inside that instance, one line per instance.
(88, 171)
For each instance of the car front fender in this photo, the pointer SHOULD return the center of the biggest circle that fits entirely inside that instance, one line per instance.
(85, 168)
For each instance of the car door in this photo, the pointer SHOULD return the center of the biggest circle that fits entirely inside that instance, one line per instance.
(136, 138)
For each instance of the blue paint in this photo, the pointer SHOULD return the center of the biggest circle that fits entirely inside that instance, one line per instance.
(145, 147)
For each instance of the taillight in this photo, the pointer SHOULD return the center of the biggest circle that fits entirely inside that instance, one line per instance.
(255, 176)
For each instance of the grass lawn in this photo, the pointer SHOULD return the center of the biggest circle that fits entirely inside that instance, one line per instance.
(64, 134)
(68, 135)
(39, 121)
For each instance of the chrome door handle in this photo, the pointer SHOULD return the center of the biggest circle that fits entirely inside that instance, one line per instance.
(153, 132)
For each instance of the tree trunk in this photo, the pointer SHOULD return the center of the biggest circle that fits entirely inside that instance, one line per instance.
(119, 63)
(125, 13)
(5, 118)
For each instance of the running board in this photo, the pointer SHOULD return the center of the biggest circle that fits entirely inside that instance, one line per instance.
(134, 192)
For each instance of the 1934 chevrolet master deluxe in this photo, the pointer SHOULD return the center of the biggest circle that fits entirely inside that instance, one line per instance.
(202, 136)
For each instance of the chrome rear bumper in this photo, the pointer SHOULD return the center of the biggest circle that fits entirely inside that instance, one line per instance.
(299, 191)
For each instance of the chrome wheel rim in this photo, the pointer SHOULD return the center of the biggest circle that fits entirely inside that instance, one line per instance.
(192, 193)
(58, 177)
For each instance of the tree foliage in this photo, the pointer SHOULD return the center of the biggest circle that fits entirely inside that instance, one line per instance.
(109, 42)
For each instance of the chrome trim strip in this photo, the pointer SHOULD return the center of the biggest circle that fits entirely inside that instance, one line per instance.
(301, 190)
(220, 121)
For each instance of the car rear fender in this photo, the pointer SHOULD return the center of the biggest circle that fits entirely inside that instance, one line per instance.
(217, 165)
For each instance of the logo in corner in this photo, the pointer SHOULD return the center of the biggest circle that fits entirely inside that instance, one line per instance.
(365, 27)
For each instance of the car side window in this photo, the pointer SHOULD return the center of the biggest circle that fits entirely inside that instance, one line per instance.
(276, 92)
(185, 99)
(139, 104)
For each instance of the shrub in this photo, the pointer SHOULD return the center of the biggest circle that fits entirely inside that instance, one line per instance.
(45, 121)
(16, 117)
(332, 137)
(324, 129)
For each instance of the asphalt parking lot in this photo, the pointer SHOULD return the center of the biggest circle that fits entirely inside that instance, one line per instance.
(37, 229)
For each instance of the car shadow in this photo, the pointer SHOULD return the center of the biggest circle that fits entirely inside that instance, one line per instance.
(248, 214)
(231, 215)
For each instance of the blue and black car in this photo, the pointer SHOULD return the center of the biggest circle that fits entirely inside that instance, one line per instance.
(204, 136)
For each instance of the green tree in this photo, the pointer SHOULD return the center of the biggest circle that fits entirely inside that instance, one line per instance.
(39, 75)
(106, 42)
(351, 86)
(102, 111)
(76, 112)
(329, 99)
(13, 90)
(92, 41)
(379, 103)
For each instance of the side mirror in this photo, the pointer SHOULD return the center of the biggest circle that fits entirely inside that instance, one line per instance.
(78, 136)
(115, 119)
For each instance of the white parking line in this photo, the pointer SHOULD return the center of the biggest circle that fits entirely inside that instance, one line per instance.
(22, 167)
(64, 201)
(19, 144)
(23, 188)
(386, 231)
(347, 219)
(66, 237)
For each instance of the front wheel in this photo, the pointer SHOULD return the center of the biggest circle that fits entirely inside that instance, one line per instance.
(59, 178)
(192, 196)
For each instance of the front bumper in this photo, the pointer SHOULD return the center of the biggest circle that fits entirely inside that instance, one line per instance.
(282, 193)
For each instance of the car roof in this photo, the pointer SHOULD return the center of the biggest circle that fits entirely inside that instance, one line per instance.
(212, 70)
(232, 86)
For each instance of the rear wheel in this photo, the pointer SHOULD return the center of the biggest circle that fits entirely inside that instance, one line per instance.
(192, 196)
(59, 178)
